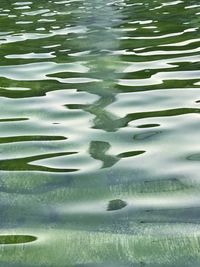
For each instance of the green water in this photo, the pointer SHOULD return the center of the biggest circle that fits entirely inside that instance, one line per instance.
(99, 133)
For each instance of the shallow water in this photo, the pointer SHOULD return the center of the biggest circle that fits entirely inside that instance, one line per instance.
(99, 133)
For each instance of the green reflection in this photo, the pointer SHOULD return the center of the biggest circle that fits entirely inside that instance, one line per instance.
(16, 239)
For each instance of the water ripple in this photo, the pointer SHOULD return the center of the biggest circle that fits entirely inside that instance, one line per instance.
(99, 133)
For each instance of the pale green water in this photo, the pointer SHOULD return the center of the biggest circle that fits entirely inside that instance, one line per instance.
(99, 133)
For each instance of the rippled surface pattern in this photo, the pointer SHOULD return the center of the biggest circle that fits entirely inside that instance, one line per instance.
(99, 133)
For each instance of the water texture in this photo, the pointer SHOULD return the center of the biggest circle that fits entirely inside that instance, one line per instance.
(99, 133)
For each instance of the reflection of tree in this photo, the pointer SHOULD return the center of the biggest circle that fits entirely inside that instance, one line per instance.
(98, 150)
(101, 39)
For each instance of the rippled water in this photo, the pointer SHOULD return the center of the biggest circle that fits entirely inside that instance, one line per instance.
(99, 133)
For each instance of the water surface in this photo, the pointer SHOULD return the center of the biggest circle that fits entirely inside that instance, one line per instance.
(99, 133)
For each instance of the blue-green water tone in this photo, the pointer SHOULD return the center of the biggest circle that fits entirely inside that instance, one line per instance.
(99, 133)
